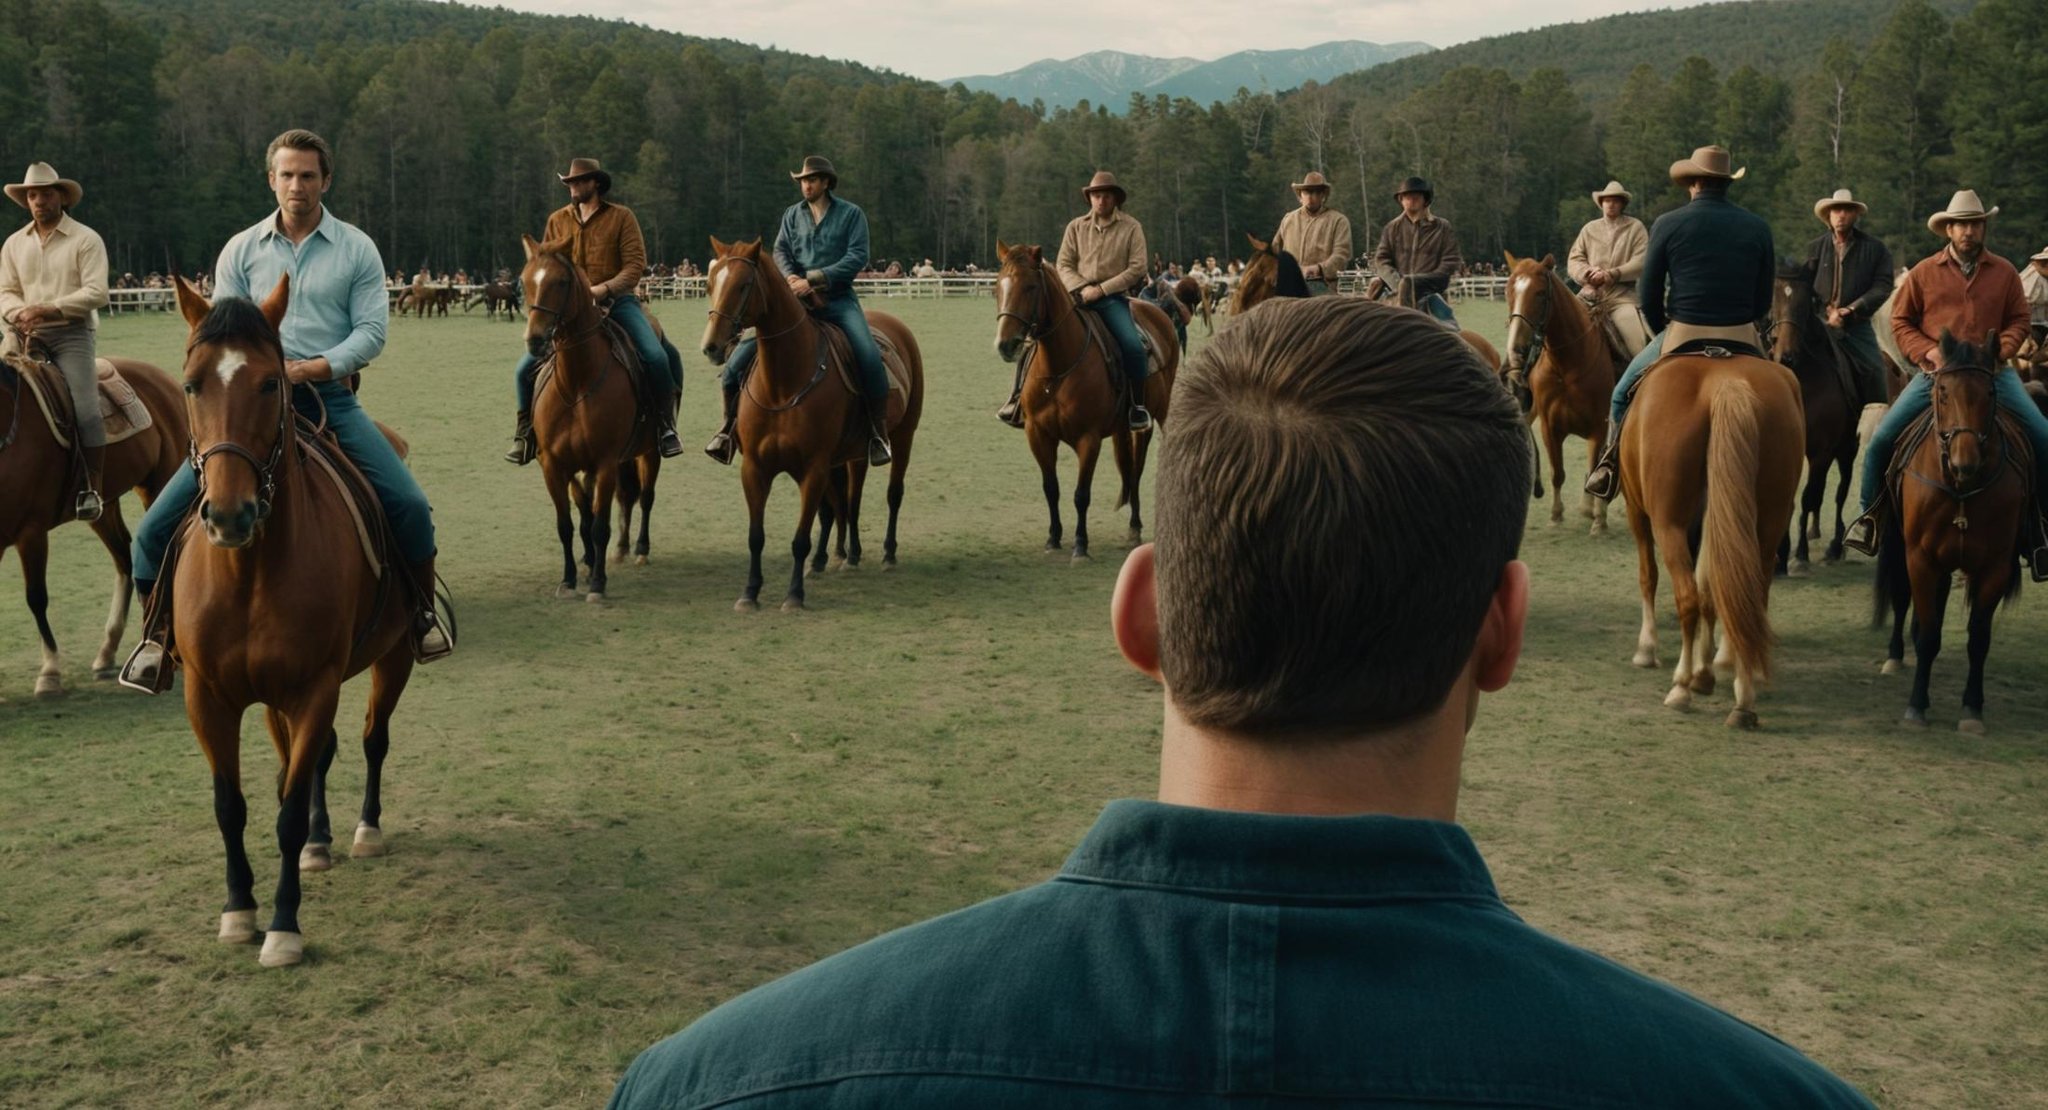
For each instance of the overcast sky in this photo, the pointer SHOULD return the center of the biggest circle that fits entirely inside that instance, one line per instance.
(937, 39)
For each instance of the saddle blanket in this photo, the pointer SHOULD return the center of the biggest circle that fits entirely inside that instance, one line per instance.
(120, 406)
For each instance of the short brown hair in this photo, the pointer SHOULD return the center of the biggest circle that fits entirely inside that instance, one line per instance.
(1341, 486)
(298, 138)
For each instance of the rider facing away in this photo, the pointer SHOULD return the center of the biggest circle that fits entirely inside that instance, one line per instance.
(606, 246)
(1606, 260)
(1418, 245)
(821, 246)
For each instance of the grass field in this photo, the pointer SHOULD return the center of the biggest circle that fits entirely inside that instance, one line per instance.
(605, 819)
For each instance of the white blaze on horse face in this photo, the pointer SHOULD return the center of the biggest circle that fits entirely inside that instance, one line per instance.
(231, 360)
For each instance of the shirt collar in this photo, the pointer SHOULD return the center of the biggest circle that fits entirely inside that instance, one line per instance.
(65, 226)
(272, 227)
(1115, 214)
(1274, 857)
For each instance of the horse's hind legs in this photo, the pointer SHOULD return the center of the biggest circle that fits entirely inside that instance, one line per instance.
(318, 854)
(388, 677)
(113, 532)
(35, 564)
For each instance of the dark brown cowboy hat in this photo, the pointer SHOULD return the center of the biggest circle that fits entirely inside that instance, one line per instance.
(580, 168)
(41, 176)
(1105, 182)
(1416, 185)
(1707, 161)
(1311, 180)
(817, 165)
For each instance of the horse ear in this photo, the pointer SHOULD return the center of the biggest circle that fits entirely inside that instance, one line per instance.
(1945, 346)
(273, 306)
(719, 247)
(1550, 261)
(1037, 253)
(193, 306)
(1254, 240)
(1002, 248)
(1510, 256)
(1991, 347)
(531, 246)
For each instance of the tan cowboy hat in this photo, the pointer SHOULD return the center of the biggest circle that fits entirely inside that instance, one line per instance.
(1311, 180)
(1105, 182)
(1707, 161)
(1841, 199)
(580, 168)
(1613, 189)
(817, 165)
(2042, 257)
(40, 175)
(1963, 206)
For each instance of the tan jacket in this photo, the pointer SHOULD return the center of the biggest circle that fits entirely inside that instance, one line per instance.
(1323, 239)
(2035, 285)
(607, 247)
(1617, 246)
(69, 271)
(1109, 253)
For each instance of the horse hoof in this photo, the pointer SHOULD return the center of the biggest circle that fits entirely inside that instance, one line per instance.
(1813, 531)
(565, 591)
(1972, 725)
(106, 674)
(49, 686)
(369, 842)
(888, 563)
(238, 926)
(1645, 659)
(1744, 719)
(282, 949)
(1599, 528)
(594, 597)
(840, 566)
(1914, 718)
(1893, 666)
(1703, 683)
(792, 605)
(1134, 537)
(1081, 557)
(1678, 698)
(315, 857)
(1054, 547)
(618, 557)
(746, 605)
(1800, 569)
(639, 560)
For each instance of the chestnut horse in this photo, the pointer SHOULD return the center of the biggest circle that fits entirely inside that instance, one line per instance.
(1068, 396)
(278, 606)
(797, 416)
(34, 469)
(1712, 448)
(1562, 369)
(593, 446)
(1961, 512)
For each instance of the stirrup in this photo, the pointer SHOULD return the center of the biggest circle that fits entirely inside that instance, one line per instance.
(89, 506)
(1141, 421)
(1012, 414)
(148, 668)
(1602, 480)
(878, 451)
(523, 451)
(1862, 533)
(2039, 563)
(668, 444)
(720, 448)
(431, 640)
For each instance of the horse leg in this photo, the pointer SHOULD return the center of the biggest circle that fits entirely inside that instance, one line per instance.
(1646, 582)
(1535, 459)
(312, 730)
(1086, 453)
(558, 492)
(1844, 464)
(586, 512)
(1930, 607)
(34, 546)
(1685, 595)
(606, 482)
(1553, 446)
(849, 530)
(1590, 505)
(218, 728)
(1046, 450)
(1810, 500)
(810, 491)
(318, 854)
(1983, 606)
(900, 448)
(754, 484)
(830, 511)
(650, 471)
(113, 532)
(628, 498)
(388, 677)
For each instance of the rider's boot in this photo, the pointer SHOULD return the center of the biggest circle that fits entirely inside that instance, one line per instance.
(524, 448)
(665, 439)
(1862, 535)
(431, 639)
(89, 505)
(721, 446)
(1012, 412)
(1604, 480)
(149, 667)
(878, 430)
(2037, 545)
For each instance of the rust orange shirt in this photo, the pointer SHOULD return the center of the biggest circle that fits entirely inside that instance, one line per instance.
(1935, 295)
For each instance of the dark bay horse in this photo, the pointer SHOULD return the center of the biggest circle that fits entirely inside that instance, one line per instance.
(498, 294)
(277, 606)
(799, 417)
(1068, 396)
(1799, 341)
(1712, 449)
(1960, 492)
(33, 478)
(1562, 369)
(593, 446)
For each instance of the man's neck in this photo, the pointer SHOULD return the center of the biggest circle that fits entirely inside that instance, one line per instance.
(1843, 236)
(297, 230)
(45, 230)
(819, 207)
(585, 209)
(1967, 262)
(1416, 217)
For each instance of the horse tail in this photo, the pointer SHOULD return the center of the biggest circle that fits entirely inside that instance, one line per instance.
(1738, 579)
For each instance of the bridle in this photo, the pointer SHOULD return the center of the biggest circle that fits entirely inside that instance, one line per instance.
(266, 469)
(556, 311)
(1994, 437)
(747, 289)
(1035, 332)
(1533, 350)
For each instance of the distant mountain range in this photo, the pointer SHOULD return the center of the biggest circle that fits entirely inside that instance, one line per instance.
(1109, 77)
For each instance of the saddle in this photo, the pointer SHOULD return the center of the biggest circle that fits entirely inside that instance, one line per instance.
(120, 406)
(1112, 357)
(2017, 451)
(835, 351)
(1603, 316)
(641, 379)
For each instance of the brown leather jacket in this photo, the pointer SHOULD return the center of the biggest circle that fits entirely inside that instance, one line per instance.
(607, 247)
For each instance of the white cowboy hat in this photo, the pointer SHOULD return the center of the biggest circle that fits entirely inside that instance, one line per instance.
(1613, 189)
(40, 175)
(1841, 199)
(1707, 161)
(2042, 257)
(1963, 206)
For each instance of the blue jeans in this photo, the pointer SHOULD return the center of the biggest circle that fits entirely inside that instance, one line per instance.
(845, 313)
(405, 505)
(1617, 407)
(656, 353)
(1435, 305)
(1115, 311)
(1915, 399)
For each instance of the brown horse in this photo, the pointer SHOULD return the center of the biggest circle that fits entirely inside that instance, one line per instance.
(278, 606)
(799, 418)
(1068, 396)
(593, 446)
(1712, 448)
(1799, 341)
(1562, 369)
(1275, 273)
(495, 295)
(1960, 512)
(34, 469)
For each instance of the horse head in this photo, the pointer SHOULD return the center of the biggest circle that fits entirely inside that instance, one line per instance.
(1792, 309)
(1532, 282)
(1255, 284)
(735, 283)
(238, 405)
(1024, 294)
(1963, 399)
(554, 291)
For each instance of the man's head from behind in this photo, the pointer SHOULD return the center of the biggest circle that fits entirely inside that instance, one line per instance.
(1340, 504)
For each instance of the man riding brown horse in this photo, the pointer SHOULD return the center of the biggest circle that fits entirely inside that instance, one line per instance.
(605, 244)
(1606, 260)
(1417, 246)
(53, 282)
(1852, 278)
(1315, 233)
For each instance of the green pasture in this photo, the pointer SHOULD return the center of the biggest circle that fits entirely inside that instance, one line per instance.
(603, 820)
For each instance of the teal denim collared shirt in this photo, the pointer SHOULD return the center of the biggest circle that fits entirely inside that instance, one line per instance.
(1191, 957)
(836, 245)
(338, 307)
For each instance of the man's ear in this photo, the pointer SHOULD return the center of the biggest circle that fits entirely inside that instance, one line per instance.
(1134, 611)
(1499, 644)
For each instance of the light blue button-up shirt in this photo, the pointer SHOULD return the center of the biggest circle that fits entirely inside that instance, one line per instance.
(338, 309)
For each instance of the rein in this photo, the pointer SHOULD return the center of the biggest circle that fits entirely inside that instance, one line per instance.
(553, 344)
(740, 323)
(266, 469)
(1036, 333)
(1995, 439)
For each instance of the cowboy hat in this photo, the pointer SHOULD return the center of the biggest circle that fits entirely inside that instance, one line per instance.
(1963, 206)
(2042, 257)
(1416, 185)
(1707, 161)
(1613, 189)
(1841, 199)
(1105, 182)
(1311, 180)
(40, 175)
(817, 165)
(580, 168)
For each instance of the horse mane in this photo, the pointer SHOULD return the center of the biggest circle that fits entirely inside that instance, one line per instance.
(237, 320)
(1287, 279)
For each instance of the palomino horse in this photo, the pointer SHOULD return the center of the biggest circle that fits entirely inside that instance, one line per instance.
(1799, 341)
(1068, 396)
(1562, 369)
(798, 417)
(279, 606)
(1712, 448)
(1969, 466)
(34, 497)
(593, 447)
